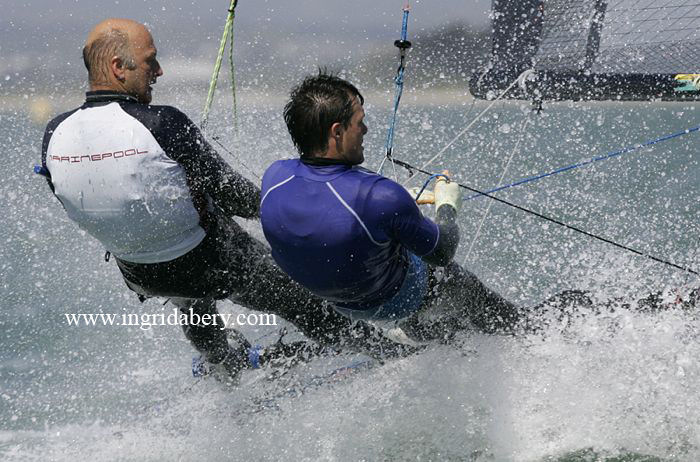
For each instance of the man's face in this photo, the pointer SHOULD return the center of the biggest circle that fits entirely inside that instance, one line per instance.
(138, 81)
(351, 144)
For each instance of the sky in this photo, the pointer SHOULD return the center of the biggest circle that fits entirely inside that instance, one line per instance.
(41, 39)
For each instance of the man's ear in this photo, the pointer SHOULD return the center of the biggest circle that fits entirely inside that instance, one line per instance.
(336, 131)
(117, 68)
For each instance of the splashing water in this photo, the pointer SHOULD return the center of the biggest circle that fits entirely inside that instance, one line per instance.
(618, 384)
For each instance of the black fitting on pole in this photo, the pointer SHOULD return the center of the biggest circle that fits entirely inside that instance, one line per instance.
(402, 44)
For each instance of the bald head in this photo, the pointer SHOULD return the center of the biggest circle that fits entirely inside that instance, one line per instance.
(113, 54)
(125, 26)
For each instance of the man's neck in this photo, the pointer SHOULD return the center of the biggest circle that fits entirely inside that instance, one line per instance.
(115, 87)
(322, 161)
(96, 96)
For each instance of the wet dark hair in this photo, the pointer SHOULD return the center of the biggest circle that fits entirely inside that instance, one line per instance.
(314, 106)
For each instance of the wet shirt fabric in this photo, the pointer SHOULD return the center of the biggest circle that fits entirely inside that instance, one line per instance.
(345, 233)
(139, 178)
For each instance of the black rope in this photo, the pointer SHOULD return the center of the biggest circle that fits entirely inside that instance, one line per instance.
(403, 164)
(555, 221)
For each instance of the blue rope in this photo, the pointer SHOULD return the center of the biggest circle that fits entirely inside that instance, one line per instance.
(397, 99)
(588, 162)
(560, 223)
(404, 24)
(398, 80)
(427, 182)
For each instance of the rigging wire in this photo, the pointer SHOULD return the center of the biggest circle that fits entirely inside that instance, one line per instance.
(519, 80)
(503, 174)
(607, 156)
(217, 140)
(557, 222)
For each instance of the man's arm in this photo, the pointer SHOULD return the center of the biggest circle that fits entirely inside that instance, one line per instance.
(209, 173)
(447, 203)
(448, 241)
(44, 149)
(435, 242)
(48, 133)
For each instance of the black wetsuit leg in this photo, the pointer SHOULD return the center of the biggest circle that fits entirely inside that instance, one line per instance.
(458, 300)
(577, 303)
(257, 283)
(560, 308)
(230, 263)
(207, 339)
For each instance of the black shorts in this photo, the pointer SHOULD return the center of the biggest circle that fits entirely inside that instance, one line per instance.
(208, 270)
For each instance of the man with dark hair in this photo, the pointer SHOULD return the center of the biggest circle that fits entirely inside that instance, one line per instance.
(358, 239)
(143, 181)
(314, 106)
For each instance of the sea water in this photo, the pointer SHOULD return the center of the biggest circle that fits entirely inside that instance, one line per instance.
(614, 386)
